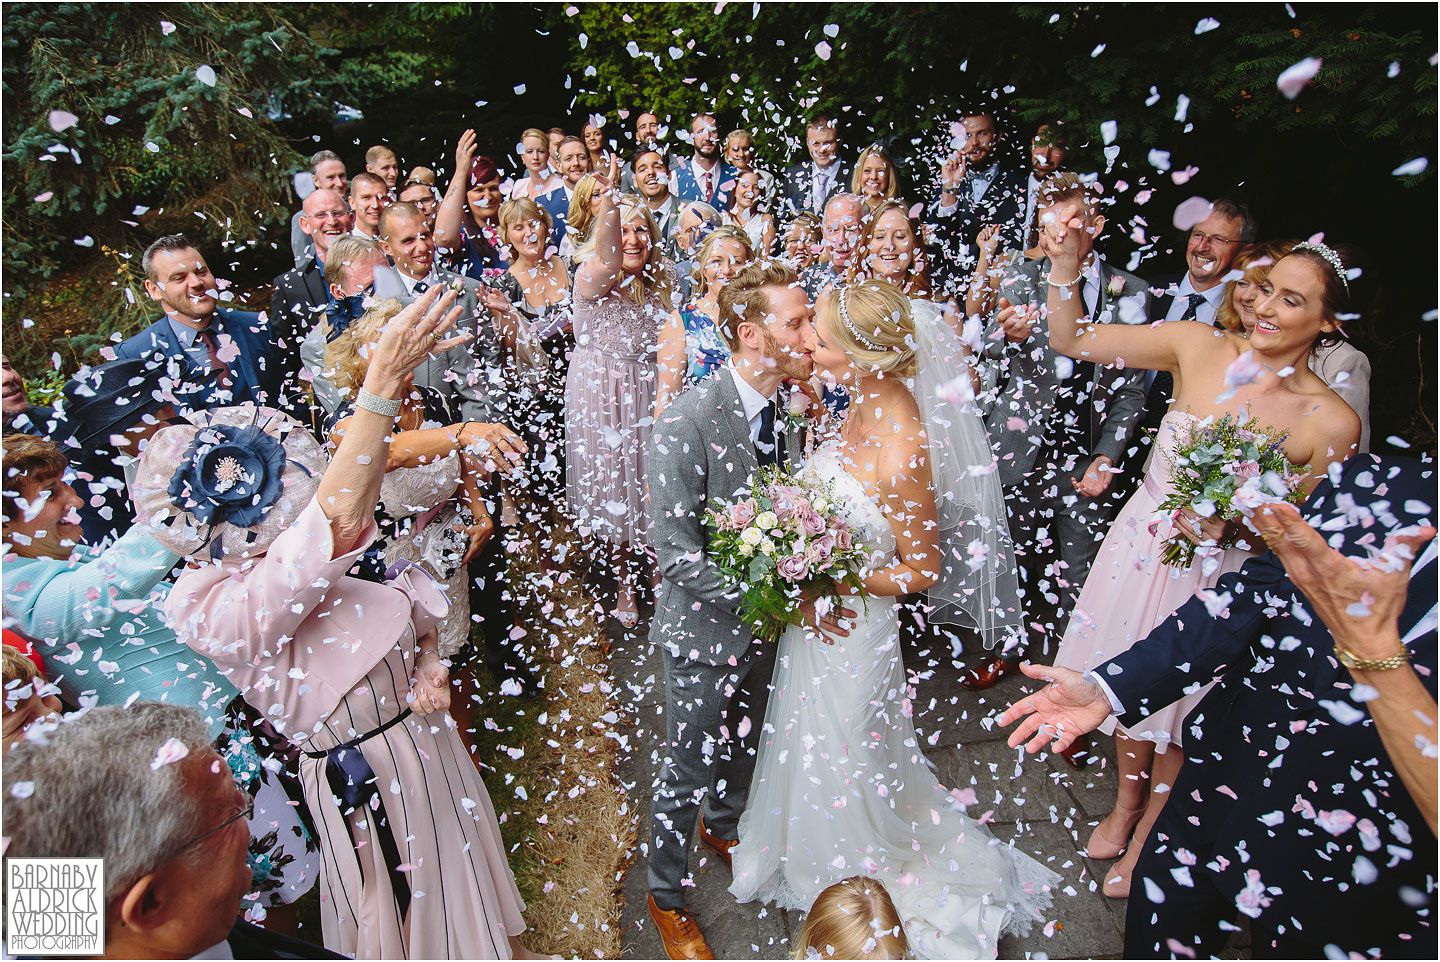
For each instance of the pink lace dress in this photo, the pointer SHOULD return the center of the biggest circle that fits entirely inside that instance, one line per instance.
(609, 413)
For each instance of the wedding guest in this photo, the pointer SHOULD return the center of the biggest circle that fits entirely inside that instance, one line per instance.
(1048, 150)
(746, 214)
(594, 136)
(652, 183)
(580, 218)
(890, 247)
(539, 179)
(1340, 364)
(421, 175)
(853, 919)
(647, 137)
(432, 509)
(622, 296)
(707, 177)
(535, 320)
(1210, 249)
(801, 242)
(343, 664)
(1305, 300)
(555, 135)
(874, 179)
(423, 197)
(697, 219)
(692, 346)
(1057, 427)
(142, 789)
(349, 280)
(29, 698)
(574, 163)
(467, 226)
(239, 346)
(840, 230)
(369, 195)
(1309, 765)
(22, 416)
(300, 295)
(810, 185)
(976, 190)
(740, 154)
(327, 171)
(382, 162)
(66, 594)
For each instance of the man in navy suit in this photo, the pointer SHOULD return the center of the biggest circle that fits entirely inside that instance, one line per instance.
(706, 178)
(1307, 799)
(574, 160)
(236, 345)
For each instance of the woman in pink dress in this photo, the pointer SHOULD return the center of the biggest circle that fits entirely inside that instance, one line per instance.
(1128, 591)
(413, 865)
(622, 298)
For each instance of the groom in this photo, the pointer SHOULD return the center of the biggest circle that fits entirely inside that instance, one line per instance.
(706, 446)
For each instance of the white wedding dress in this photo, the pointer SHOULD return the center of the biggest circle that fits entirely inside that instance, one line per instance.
(841, 787)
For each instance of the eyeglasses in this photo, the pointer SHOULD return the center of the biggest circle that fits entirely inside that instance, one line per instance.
(245, 812)
(1200, 237)
(328, 214)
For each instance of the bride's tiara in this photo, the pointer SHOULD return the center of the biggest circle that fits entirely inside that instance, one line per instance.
(1332, 258)
(850, 326)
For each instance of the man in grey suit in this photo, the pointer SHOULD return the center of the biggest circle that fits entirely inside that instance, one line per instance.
(706, 446)
(1059, 426)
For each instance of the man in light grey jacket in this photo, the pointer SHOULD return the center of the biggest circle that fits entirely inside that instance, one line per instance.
(1059, 427)
(706, 447)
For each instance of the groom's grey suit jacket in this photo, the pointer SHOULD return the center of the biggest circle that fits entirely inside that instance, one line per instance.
(1028, 379)
(699, 452)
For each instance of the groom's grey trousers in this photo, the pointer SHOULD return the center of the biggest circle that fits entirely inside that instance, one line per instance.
(707, 708)
(716, 678)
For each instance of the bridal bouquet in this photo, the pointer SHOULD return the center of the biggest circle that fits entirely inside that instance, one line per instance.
(786, 540)
(1224, 468)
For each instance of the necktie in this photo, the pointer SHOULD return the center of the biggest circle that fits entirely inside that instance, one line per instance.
(769, 446)
(1192, 308)
(212, 348)
(706, 196)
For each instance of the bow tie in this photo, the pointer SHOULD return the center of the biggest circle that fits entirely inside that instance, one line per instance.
(341, 312)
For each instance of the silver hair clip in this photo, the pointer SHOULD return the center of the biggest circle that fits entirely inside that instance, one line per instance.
(849, 326)
(1332, 258)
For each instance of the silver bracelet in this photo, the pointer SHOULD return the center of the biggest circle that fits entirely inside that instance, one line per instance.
(1066, 284)
(374, 403)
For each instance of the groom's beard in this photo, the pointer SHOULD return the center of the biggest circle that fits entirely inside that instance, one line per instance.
(795, 366)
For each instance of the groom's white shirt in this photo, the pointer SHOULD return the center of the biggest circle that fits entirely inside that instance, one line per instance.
(752, 400)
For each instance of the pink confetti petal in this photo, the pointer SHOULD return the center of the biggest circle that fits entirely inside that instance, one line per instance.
(62, 120)
(1297, 77)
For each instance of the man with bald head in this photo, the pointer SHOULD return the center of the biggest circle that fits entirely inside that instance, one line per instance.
(300, 297)
(841, 228)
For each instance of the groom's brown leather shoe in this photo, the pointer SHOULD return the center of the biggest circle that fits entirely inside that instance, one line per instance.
(720, 846)
(979, 679)
(679, 934)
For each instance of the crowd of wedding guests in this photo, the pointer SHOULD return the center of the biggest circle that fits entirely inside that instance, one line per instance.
(195, 532)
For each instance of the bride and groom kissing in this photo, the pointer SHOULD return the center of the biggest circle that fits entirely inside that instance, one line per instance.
(797, 761)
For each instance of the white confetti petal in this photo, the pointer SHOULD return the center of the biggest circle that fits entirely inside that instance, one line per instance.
(62, 120)
(1296, 77)
(205, 74)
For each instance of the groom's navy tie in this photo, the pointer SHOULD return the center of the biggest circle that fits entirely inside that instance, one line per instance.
(770, 446)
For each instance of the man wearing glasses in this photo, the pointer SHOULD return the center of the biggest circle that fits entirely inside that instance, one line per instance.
(142, 789)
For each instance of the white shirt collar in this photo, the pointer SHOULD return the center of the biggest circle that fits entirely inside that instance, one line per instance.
(750, 399)
(360, 233)
(430, 280)
(700, 171)
(1212, 296)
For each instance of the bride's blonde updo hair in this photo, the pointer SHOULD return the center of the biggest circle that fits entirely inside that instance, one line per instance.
(853, 919)
(871, 321)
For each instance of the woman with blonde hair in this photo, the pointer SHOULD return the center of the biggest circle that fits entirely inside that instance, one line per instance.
(580, 217)
(536, 320)
(892, 247)
(1340, 364)
(540, 179)
(914, 474)
(691, 344)
(622, 298)
(853, 919)
(874, 177)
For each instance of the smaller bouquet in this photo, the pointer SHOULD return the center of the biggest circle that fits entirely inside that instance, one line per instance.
(1225, 468)
(785, 542)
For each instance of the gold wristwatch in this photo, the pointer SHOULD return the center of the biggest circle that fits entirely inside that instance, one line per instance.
(1372, 664)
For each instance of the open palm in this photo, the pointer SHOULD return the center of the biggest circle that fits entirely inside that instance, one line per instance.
(1070, 706)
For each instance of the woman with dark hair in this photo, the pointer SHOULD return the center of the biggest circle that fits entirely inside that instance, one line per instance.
(1341, 365)
(467, 226)
(1307, 297)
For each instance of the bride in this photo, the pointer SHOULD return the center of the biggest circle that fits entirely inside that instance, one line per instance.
(841, 786)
